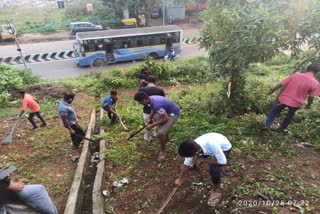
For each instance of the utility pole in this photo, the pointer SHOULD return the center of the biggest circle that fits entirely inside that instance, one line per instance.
(163, 11)
(12, 31)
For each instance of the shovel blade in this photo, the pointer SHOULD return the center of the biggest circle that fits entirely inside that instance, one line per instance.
(8, 139)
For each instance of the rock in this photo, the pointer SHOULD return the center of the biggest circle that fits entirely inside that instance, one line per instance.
(75, 158)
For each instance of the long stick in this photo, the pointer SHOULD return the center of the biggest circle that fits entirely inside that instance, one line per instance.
(167, 200)
(122, 124)
(84, 138)
(135, 133)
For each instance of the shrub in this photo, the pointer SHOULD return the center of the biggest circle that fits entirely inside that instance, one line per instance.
(13, 79)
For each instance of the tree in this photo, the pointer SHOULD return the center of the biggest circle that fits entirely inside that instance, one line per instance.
(237, 33)
(135, 7)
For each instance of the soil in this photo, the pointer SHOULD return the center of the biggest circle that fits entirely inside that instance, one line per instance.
(45, 155)
(150, 183)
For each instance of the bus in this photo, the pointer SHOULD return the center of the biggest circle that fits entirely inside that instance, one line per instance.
(99, 48)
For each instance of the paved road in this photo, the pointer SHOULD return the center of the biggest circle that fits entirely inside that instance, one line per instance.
(63, 69)
(35, 48)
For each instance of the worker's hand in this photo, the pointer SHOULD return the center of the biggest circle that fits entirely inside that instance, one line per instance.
(16, 186)
(178, 182)
(149, 126)
(71, 131)
(150, 121)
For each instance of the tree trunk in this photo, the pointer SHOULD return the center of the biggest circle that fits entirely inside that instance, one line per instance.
(235, 103)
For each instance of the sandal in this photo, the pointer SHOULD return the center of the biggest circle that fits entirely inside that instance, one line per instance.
(161, 157)
(214, 199)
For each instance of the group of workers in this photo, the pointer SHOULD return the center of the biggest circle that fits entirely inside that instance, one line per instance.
(161, 113)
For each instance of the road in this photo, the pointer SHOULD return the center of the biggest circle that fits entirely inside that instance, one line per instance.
(64, 69)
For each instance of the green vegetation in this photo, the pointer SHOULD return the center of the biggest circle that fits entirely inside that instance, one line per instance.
(13, 79)
(201, 95)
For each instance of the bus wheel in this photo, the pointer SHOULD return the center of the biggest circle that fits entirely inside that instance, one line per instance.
(154, 55)
(99, 62)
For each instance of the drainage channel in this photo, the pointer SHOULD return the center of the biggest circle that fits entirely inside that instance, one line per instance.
(85, 195)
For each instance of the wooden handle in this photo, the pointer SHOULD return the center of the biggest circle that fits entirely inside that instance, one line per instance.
(122, 124)
(167, 200)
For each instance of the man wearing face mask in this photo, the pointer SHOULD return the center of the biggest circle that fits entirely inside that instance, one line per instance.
(69, 119)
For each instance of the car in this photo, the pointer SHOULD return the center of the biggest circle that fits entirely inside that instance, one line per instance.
(83, 26)
(6, 34)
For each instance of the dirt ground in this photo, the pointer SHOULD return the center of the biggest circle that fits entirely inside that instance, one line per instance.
(45, 155)
(150, 183)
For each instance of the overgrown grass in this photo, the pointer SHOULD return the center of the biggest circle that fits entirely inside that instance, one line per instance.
(25, 22)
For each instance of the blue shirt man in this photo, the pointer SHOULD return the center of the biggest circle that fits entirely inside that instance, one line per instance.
(109, 104)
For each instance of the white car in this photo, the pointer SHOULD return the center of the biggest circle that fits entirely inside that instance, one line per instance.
(83, 26)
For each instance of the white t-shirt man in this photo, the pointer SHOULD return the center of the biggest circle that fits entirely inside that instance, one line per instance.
(212, 144)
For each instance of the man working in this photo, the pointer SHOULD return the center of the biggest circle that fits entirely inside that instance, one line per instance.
(208, 145)
(35, 196)
(151, 89)
(109, 104)
(29, 101)
(69, 119)
(294, 91)
(168, 113)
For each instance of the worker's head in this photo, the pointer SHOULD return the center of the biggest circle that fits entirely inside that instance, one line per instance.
(315, 68)
(151, 79)
(21, 93)
(141, 97)
(114, 94)
(189, 148)
(68, 97)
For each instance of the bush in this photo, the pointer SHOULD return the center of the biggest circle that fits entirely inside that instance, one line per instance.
(13, 79)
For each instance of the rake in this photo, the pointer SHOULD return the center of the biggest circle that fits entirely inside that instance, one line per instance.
(9, 138)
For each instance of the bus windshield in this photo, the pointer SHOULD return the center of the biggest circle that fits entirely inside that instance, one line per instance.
(104, 47)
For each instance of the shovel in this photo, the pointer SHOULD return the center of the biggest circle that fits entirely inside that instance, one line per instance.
(9, 138)
(167, 200)
(89, 139)
(135, 133)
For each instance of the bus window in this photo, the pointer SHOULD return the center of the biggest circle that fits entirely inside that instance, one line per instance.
(139, 42)
(163, 41)
(151, 41)
(124, 44)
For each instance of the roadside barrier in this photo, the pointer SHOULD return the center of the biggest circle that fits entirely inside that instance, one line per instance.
(35, 58)
(76, 194)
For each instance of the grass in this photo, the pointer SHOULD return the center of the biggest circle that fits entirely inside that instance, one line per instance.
(25, 22)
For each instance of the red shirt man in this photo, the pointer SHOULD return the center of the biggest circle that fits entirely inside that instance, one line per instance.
(295, 89)
(28, 101)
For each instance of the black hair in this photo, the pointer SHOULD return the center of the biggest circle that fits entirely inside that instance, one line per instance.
(68, 96)
(314, 67)
(188, 148)
(22, 92)
(151, 79)
(114, 92)
(140, 95)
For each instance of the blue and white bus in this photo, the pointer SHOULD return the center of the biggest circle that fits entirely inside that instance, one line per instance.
(98, 48)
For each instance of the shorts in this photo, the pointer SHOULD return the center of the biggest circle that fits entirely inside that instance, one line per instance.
(164, 128)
